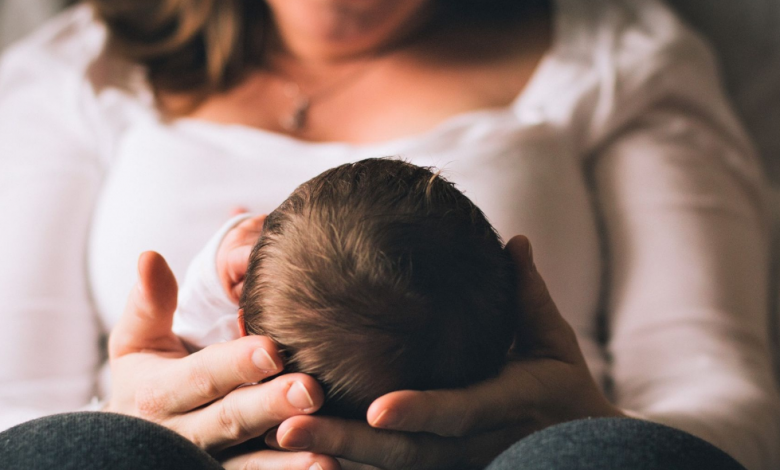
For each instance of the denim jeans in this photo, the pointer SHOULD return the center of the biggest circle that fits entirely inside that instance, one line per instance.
(77, 441)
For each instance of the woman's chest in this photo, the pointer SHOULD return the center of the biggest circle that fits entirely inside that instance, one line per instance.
(407, 92)
(169, 190)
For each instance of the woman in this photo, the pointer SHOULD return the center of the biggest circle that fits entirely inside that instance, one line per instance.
(613, 103)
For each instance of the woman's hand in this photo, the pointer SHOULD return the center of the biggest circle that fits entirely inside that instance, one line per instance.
(199, 395)
(233, 255)
(547, 382)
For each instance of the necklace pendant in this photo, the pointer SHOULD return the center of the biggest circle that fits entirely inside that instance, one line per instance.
(296, 121)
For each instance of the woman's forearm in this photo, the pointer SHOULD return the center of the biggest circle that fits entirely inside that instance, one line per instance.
(680, 195)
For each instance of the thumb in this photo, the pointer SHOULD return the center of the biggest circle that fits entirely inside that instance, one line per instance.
(148, 317)
(542, 331)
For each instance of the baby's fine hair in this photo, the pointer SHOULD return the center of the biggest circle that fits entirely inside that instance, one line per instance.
(378, 276)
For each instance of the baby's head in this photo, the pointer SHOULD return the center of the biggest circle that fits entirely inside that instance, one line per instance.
(379, 276)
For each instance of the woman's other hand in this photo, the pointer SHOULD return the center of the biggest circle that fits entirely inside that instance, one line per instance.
(547, 382)
(234, 251)
(198, 395)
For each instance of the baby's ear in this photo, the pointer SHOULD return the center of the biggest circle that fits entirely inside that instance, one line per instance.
(241, 324)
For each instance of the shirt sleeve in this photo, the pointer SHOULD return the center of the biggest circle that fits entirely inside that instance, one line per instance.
(682, 202)
(205, 314)
(50, 174)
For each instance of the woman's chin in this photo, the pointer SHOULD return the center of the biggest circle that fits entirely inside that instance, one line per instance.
(345, 27)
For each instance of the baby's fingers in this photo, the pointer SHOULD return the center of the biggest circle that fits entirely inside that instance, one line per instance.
(238, 210)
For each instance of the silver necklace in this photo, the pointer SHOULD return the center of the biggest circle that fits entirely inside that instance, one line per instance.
(295, 121)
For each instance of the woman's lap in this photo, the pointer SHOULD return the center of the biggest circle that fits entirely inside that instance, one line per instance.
(611, 443)
(77, 441)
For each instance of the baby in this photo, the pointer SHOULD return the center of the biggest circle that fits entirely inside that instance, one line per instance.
(379, 276)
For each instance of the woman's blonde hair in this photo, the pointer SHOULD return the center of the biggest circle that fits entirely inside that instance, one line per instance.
(188, 46)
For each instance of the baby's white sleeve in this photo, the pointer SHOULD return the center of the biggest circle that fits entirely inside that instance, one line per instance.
(205, 314)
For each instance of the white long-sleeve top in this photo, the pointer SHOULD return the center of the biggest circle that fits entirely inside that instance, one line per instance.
(620, 160)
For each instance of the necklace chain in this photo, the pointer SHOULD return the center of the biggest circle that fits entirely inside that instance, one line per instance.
(296, 120)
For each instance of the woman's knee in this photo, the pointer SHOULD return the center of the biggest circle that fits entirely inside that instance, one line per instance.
(76, 441)
(611, 443)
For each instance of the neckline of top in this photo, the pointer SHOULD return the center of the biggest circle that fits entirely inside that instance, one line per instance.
(241, 132)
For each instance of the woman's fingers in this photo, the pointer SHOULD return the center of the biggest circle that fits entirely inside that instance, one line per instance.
(357, 442)
(197, 395)
(251, 411)
(148, 316)
(445, 412)
(213, 372)
(358, 446)
(488, 405)
(542, 331)
(276, 460)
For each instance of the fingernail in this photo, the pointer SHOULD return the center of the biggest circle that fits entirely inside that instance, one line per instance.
(270, 438)
(386, 419)
(299, 397)
(296, 439)
(264, 361)
(316, 466)
(531, 263)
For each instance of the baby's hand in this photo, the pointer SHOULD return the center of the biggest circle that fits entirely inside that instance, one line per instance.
(233, 255)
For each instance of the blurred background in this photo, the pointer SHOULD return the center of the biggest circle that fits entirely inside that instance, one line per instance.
(18, 17)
